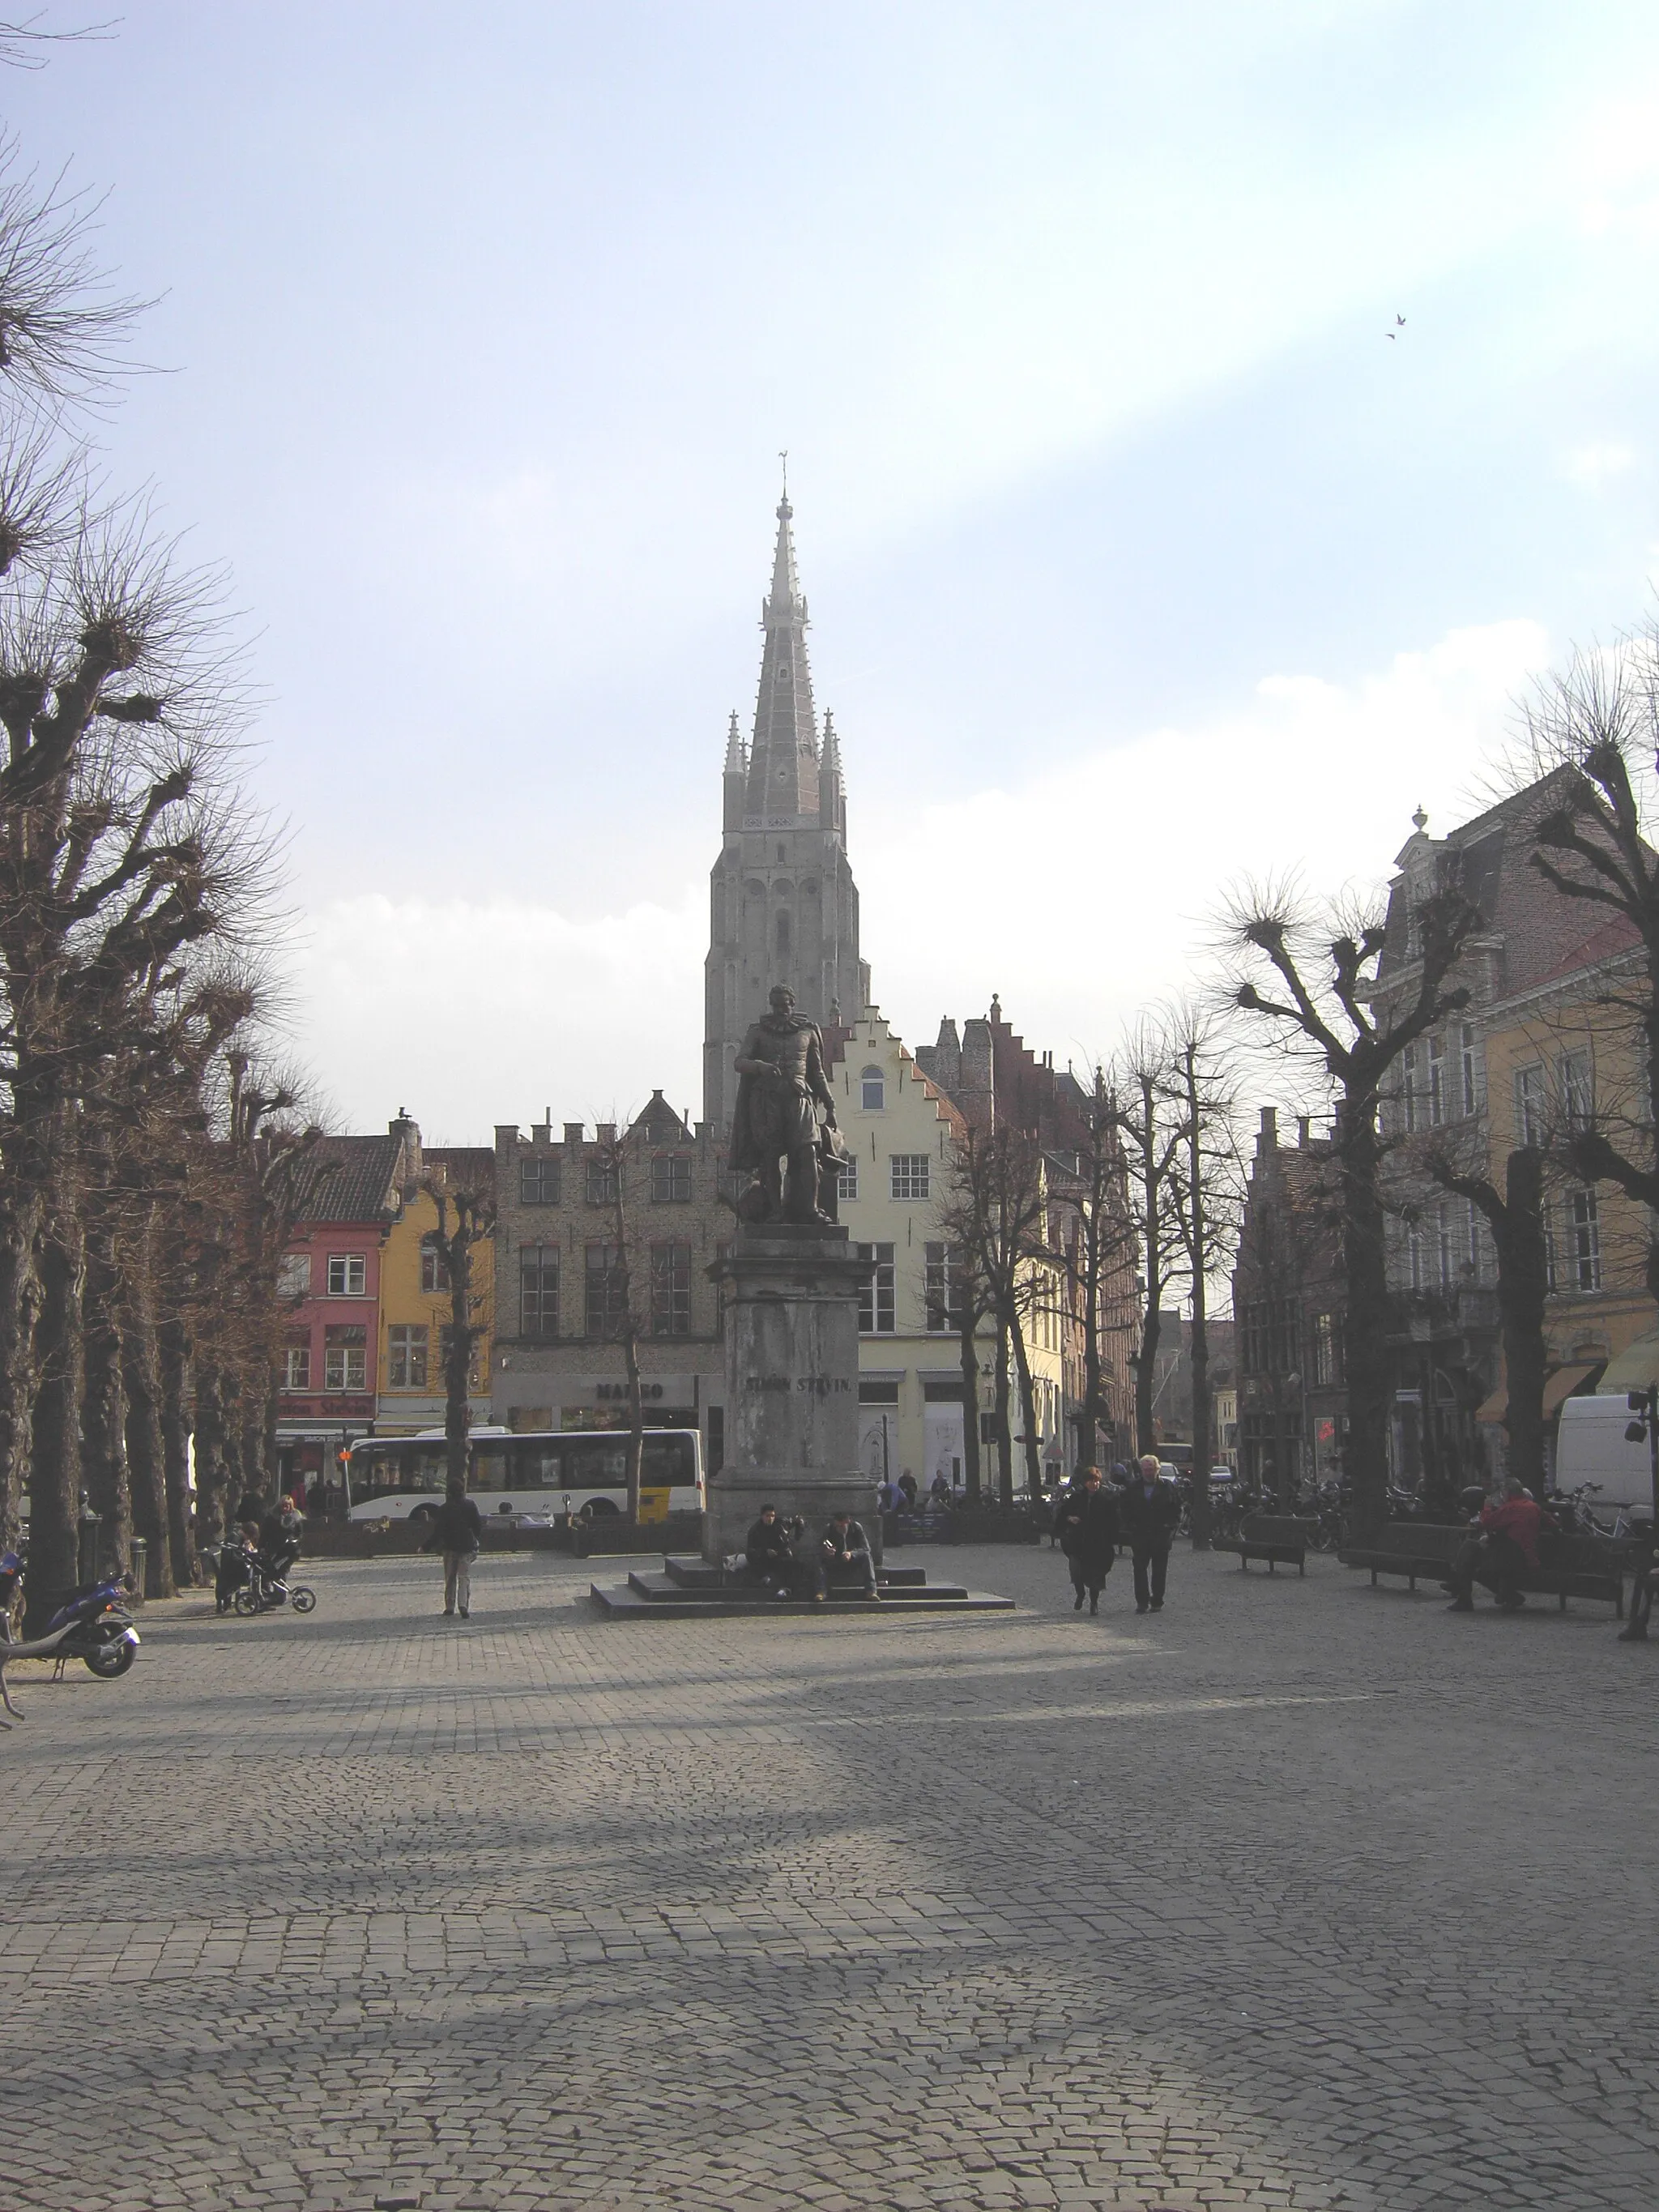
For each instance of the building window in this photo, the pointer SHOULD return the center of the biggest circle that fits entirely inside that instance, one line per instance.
(1470, 1063)
(601, 1182)
(1416, 1268)
(1445, 1247)
(671, 1179)
(474, 1377)
(348, 1275)
(1584, 1240)
(873, 1086)
(850, 1181)
(434, 1272)
(406, 1357)
(538, 1181)
(1324, 1351)
(1530, 1116)
(1436, 1081)
(293, 1275)
(671, 1290)
(539, 1292)
(942, 1292)
(606, 1300)
(909, 1175)
(1408, 1087)
(876, 1298)
(1576, 1107)
(296, 1367)
(343, 1367)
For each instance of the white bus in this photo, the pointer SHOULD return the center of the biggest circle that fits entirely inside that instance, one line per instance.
(544, 1474)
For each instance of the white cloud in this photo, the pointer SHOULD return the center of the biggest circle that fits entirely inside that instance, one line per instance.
(1080, 895)
(1592, 466)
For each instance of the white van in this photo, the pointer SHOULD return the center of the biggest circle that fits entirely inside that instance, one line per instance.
(1590, 1446)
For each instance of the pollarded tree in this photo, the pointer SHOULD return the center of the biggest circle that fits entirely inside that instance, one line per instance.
(1207, 1198)
(1315, 988)
(1593, 733)
(471, 1202)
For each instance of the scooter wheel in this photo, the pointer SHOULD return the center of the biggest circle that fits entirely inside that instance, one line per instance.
(245, 1602)
(301, 1599)
(110, 1660)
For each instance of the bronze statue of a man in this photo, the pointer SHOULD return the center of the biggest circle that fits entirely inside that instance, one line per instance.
(784, 1128)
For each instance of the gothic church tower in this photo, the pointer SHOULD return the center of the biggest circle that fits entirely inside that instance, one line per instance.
(784, 907)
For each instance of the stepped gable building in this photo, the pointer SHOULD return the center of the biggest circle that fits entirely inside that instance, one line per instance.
(784, 907)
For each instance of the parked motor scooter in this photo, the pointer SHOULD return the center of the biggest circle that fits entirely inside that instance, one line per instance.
(93, 1624)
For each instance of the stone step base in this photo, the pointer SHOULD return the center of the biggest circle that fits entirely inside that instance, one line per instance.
(665, 1588)
(622, 1601)
(690, 1572)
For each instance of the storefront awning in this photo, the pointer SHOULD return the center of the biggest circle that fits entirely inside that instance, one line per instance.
(1560, 1382)
(1564, 1381)
(1635, 1368)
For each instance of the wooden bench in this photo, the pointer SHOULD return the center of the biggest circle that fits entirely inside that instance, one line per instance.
(1572, 1566)
(1280, 1539)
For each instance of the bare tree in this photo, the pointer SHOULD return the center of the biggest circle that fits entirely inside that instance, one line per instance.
(1593, 730)
(1102, 1250)
(1515, 1219)
(1321, 999)
(1207, 1202)
(997, 1215)
(1147, 1119)
(473, 1201)
(627, 1282)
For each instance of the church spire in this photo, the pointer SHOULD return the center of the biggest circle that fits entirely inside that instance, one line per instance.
(735, 763)
(783, 754)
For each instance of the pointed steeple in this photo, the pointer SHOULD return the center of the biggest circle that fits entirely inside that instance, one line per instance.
(735, 763)
(735, 778)
(832, 791)
(783, 756)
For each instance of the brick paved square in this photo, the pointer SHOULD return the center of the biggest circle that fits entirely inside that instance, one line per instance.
(1296, 1895)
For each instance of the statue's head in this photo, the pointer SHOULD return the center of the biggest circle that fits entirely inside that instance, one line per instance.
(783, 999)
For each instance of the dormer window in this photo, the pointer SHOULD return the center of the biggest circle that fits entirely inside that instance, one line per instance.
(872, 1085)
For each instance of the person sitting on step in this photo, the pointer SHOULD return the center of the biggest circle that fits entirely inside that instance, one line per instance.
(844, 1557)
(770, 1555)
(1505, 1549)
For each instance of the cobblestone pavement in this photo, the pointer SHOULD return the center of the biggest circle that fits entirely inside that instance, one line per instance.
(1298, 1895)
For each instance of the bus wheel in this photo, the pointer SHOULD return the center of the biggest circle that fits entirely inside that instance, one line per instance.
(424, 1513)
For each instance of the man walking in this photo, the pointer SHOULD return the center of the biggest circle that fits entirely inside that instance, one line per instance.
(1087, 1516)
(456, 1532)
(1149, 1514)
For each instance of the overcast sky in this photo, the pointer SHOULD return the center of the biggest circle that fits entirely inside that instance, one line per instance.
(1139, 554)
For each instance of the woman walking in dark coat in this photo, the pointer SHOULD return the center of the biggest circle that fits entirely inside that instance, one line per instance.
(1088, 1536)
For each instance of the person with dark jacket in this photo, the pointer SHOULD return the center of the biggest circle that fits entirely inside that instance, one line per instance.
(844, 1556)
(1087, 1516)
(769, 1556)
(1149, 1512)
(456, 1532)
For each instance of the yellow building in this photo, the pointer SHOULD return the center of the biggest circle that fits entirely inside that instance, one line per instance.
(414, 1307)
(902, 1132)
(1567, 1057)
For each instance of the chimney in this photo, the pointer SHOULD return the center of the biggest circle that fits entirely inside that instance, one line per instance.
(573, 1132)
(606, 1132)
(1301, 1121)
(1266, 1139)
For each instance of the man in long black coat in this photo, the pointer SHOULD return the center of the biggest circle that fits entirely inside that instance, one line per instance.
(1149, 1512)
(1087, 1516)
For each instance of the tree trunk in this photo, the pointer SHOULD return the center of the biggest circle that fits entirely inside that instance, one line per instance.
(1027, 1410)
(967, 1347)
(55, 1469)
(999, 1425)
(212, 1472)
(1145, 1366)
(174, 1361)
(1522, 1286)
(20, 1305)
(103, 1407)
(1366, 1326)
(1203, 1416)
(146, 1449)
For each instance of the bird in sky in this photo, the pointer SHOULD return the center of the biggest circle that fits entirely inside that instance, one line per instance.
(1400, 324)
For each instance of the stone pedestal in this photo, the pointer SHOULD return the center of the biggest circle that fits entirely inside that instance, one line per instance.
(792, 1385)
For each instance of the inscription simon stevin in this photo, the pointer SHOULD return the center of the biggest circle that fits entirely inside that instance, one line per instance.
(819, 1386)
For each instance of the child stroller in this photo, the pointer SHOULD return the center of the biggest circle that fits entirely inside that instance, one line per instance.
(233, 1572)
(267, 1583)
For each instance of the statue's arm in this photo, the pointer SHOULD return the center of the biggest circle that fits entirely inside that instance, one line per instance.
(747, 1062)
